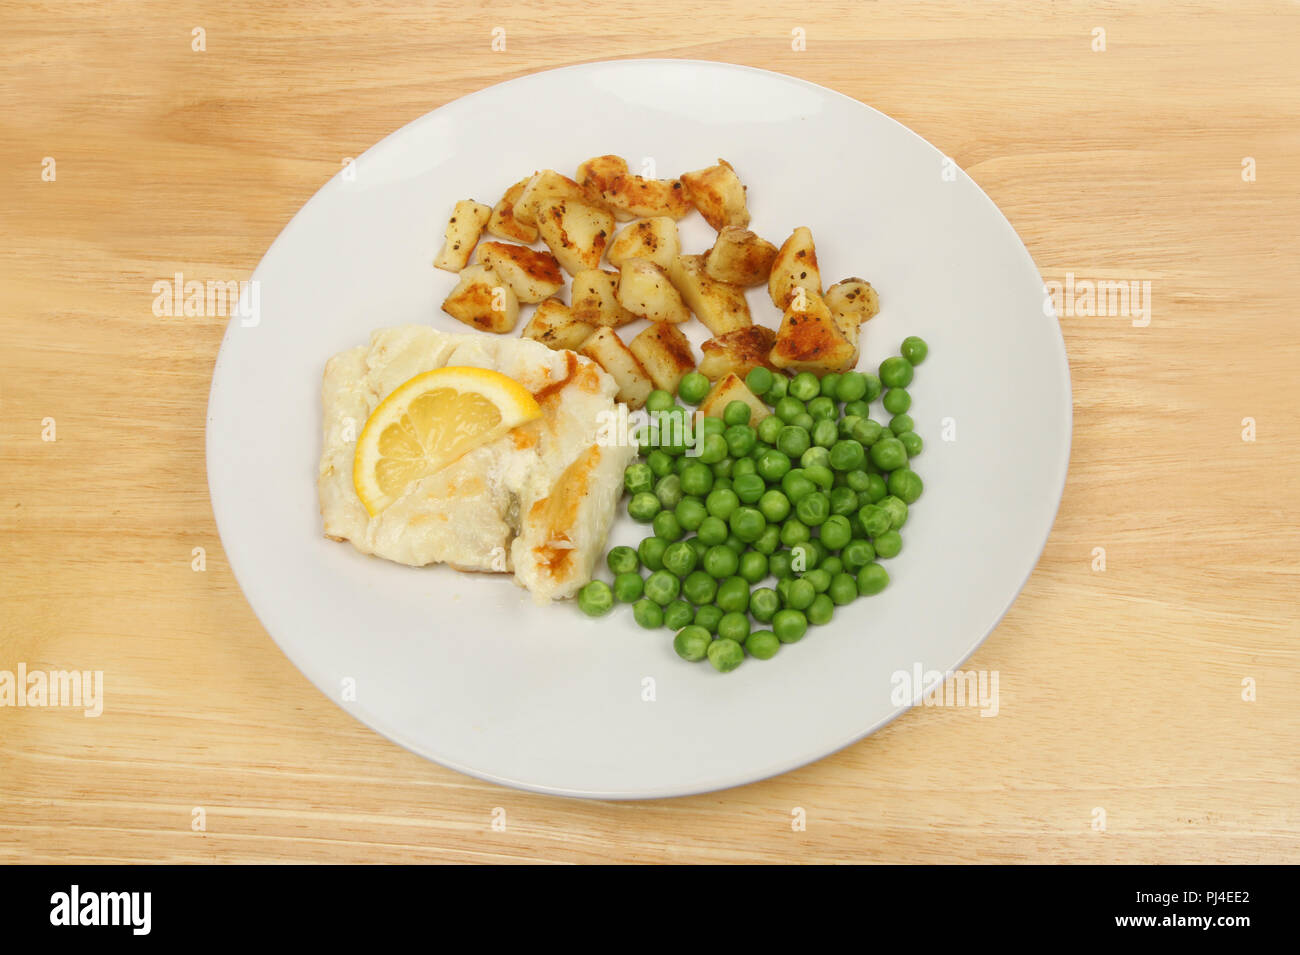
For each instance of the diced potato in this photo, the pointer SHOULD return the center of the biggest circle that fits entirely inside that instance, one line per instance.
(719, 195)
(531, 275)
(555, 327)
(606, 349)
(645, 290)
(654, 239)
(483, 301)
(740, 257)
(575, 232)
(595, 299)
(503, 224)
(795, 267)
(721, 307)
(738, 352)
(466, 225)
(854, 299)
(547, 184)
(810, 339)
(730, 389)
(607, 179)
(665, 353)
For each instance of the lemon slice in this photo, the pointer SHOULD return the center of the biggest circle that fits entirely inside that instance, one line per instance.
(431, 421)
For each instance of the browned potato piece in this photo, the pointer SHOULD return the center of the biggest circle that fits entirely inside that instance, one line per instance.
(575, 232)
(654, 239)
(466, 225)
(738, 352)
(730, 389)
(547, 184)
(606, 179)
(795, 267)
(665, 353)
(483, 301)
(503, 224)
(720, 307)
(854, 299)
(645, 290)
(555, 327)
(719, 195)
(606, 349)
(739, 257)
(595, 299)
(810, 339)
(531, 275)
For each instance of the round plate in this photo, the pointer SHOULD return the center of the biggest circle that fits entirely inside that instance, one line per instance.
(464, 669)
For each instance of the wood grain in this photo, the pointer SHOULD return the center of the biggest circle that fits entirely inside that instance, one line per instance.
(1120, 689)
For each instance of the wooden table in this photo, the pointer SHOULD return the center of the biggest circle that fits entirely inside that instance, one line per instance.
(1169, 156)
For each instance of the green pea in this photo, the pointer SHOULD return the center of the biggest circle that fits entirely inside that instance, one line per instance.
(876, 489)
(713, 426)
(843, 589)
(678, 614)
(741, 439)
(836, 532)
(648, 614)
(778, 389)
(622, 560)
(764, 603)
(722, 474)
(628, 587)
(762, 644)
(667, 526)
(857, 554)
(659, 400)
(651, 550)
(769, 428)
(820, 578)
(720, 561)
(643, 507)
(847, 455)
(795, 532)
(725, 655)
(793, 441)
(888, 544)
(679, 558)
(806, 556)
(805, 421)
(772, 464)
(596, 599)
(852, 386)
(901, 423)
(821, 610)
(897, 509)
(867, 432)
(844, 501)
(789, 408)
(713, 448)
(692, 642)
(749, 487)
(802, 593)
(872, 579)
(796, 485)
(774, 506)
(779, 565)
(789, 625)
(875, 519)
(832, 565)
(847, 423)
(696, 479)
(769, 540)
(737, 413)
(874, 387)
(712, 530)
(692, 388)
(733, 626)
(888, 453)
(721, 502)
(753, 566)
(638, 477)
(669, 490)
(708, 616)
(895, 372)
(681, 464)
(805, 386)
(820, 475)
(905, 485)
(759, 380)
(662, 587)
(699, 587)
(813, 509)
(822, 408)
(857, 409)
(914, 350)
(742, 467)
(830, 386)
(825, 433)
(897, 400)
(747, 523)
(736, 544)
(912, 443)
(698, 546)
(733, 595)
(690, 513)
(814, 457)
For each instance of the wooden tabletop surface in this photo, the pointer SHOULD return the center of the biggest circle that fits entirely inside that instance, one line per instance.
(1146, 706)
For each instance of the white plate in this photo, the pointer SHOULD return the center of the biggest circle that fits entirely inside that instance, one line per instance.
(464, 669)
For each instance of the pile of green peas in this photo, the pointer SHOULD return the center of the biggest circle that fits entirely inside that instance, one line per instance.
(810, 498)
